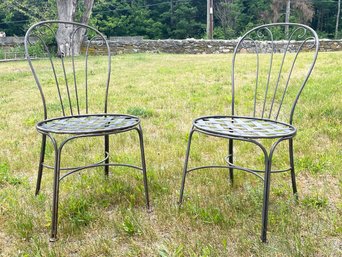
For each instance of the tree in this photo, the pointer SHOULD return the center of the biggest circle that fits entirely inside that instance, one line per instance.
(185, 21)
(66, 10)
(162, 13)
(222, 12)
(9, 22)
(17, 15)
(287, 16)
(123, 18)
(227, 12)
(35, 10)
(302, 10)
(157, 19)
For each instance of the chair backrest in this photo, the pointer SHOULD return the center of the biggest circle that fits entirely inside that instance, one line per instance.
(271, 65)
(71, 64)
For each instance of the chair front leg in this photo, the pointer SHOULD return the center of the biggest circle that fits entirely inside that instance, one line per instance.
(106, 152)
(185, 168)
(55, 197)
(41, 162)
(267, 182)
(143, 165)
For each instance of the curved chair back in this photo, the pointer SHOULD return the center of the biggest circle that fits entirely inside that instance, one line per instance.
(271, 65)
(71, 64)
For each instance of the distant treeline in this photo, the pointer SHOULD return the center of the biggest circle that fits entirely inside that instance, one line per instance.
(178, 19)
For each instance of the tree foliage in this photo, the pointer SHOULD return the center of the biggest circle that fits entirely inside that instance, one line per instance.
(16, 16)
(228, 13)
(180, 19)
(301, 10)
(125, 18)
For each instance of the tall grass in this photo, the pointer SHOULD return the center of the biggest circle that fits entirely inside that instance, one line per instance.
(107, 217)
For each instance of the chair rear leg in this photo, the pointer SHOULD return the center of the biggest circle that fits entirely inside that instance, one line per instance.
(41, 161)
(231, 159)
(143, 165)
(106, 152)
(293, 175)
(185, 168)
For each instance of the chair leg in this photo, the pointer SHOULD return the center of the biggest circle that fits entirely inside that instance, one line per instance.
(231, 159)
(41, 161)
(267, 182)
(185, 168)
(293, 175)
(143, 164)
(106, 151)
(54, 222)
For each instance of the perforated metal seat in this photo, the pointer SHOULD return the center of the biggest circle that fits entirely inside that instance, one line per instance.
(87, 124)
(245, 127)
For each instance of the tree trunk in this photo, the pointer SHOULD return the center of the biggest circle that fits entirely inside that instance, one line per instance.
(66, 12)
(223, 12)
(337, 18)
(171, 14)
(287, 16)
(210, 15)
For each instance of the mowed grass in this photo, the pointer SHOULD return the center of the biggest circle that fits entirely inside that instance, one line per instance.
(107, 217)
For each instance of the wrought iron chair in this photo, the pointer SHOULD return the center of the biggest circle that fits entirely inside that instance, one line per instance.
(267, 80)
(75, 97)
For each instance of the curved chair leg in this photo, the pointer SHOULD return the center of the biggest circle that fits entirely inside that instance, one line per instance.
(54, 222)
(185, 167)
(106, 150)
(41, 161)
(293, 175)
(143, 164)
(267, 182)
(231, 159)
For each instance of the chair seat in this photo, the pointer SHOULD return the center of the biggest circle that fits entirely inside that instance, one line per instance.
(245, 127)
(88, 124)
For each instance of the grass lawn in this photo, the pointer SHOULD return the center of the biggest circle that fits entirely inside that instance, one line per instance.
(107, 217)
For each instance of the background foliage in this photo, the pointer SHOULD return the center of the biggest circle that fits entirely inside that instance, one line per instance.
(157, 19)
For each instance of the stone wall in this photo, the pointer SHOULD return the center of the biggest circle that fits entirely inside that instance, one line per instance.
(193, 46)
(188, 46)
(11, 41)
(327, 45)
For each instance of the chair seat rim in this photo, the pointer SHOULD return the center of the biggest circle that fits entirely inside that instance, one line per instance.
(97, 131)
(232, 135)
